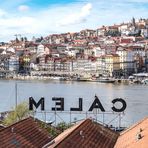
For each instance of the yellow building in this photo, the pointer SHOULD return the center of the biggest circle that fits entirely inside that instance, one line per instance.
(112, 63)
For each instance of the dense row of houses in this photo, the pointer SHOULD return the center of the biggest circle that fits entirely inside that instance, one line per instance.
(117, 50)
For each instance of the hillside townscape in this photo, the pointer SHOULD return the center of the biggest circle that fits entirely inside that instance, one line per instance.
(108, 54)
(116, 51)
(74, 74)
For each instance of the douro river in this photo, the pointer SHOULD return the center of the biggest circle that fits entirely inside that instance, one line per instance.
(136, 97)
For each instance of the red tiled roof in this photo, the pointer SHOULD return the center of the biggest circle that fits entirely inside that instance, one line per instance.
(25, 134)
(126, 41)
(133, 47)
(129, 138)
(86, 134)
(113, 27)
(111, 55)
(141, 26)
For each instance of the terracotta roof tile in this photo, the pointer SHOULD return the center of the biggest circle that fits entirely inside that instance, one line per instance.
(86, 134)
(129, 138)
(25, 134)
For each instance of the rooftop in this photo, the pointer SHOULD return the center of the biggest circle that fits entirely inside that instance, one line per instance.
(25, 133)
(134, 137)
(86, 133)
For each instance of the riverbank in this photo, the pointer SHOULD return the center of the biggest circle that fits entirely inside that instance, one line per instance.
(45, 78)
(76, 77)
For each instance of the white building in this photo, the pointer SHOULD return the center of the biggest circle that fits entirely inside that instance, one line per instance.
(144, 32)
(84, 65)
(98, 51)
(123, 28)
(126, 59)
(10, 49)
(40, 50)
(13, 63)
(71, 52)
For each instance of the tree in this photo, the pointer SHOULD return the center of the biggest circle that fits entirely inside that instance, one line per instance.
(63, 126)
(113, 33)
(41, 38)
(25, 39)
(22, 39)
(19, 113)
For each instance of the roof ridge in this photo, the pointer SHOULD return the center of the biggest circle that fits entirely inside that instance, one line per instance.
(76, 126)
(110, 130)
(27, 132)
(17, 122)
(133, 126)
(88, 127)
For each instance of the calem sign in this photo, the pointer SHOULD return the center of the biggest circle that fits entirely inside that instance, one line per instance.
(59, 104)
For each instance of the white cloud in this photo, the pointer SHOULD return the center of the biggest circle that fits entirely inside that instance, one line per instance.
(86, 10)
(2, 13)
(23, 8)
(75, 18)
(69, 17)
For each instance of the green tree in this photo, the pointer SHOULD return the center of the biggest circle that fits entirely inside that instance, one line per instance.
(19, 113)
(63, 126)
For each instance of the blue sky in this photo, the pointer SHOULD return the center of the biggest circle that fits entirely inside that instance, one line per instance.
(44, 17)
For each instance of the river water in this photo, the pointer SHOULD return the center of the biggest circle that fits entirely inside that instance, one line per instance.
(136, 97)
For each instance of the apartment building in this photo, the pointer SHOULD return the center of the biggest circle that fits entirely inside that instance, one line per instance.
(126, 59)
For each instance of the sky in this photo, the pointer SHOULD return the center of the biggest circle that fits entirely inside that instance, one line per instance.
(44, 17)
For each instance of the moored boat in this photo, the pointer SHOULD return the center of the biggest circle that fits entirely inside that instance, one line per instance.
(145, 81)
(83, 79)
(105, 80)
